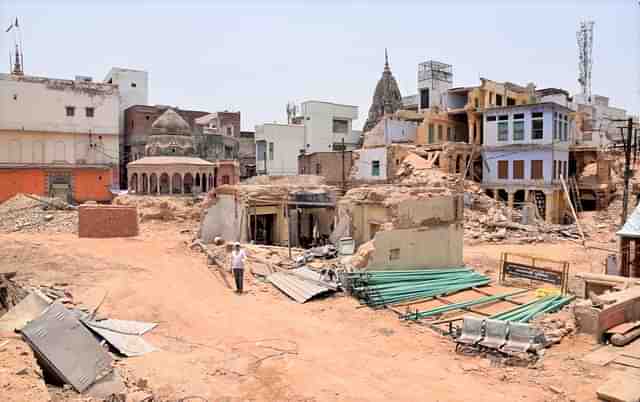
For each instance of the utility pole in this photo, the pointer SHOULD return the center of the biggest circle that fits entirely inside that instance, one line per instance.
(627, 169)
(343, 178)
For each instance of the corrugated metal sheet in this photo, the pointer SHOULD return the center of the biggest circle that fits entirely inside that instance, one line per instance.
(299, 289)
(314, 276)
(66, 348)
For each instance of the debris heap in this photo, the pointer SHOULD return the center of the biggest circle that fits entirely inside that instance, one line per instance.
(30, 213)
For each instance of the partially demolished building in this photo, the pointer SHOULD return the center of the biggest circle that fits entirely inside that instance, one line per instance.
(402, 227)
(269, 210)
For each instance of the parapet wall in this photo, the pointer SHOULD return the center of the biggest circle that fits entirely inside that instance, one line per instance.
(101, 221)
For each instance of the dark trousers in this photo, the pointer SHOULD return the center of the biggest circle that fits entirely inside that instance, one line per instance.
(237, 275)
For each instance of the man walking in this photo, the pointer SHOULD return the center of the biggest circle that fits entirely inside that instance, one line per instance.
(237, 265)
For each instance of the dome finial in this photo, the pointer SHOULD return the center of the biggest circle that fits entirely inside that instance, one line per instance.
(386, 59)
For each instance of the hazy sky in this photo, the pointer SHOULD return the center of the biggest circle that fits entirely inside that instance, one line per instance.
(256, 56)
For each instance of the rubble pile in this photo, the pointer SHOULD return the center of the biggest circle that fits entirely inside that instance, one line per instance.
(556, 326)
(10, 292)
(30, 213)
(489, 220)
(416, 170)
(163, 208)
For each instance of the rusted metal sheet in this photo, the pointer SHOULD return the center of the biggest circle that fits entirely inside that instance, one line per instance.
(298, 288)
(66, 348)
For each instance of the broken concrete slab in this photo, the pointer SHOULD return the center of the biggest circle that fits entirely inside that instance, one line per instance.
(26, 310)
(109, 385)
(623, 386)
(66, 348)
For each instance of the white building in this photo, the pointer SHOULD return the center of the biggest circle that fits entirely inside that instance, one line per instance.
(59, 132)
(525, 152)
(326, 124)
(278, 147)
(598, 126)
(391, 131)
(318, 127)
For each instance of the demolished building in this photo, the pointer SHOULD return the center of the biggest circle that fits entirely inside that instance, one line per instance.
(270, 210)
(402, 227)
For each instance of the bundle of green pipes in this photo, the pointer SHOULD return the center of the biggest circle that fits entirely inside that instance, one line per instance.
(381, 288)
(528, 311)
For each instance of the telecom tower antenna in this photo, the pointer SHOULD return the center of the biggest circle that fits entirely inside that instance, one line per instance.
(585, 60)
(16, 60)
(291, 112)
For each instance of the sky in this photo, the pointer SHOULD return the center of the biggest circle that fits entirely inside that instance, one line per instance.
(255, 56)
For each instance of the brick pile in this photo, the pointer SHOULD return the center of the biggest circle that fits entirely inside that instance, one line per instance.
(101, 221)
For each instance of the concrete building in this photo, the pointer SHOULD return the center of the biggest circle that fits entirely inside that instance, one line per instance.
(596, 125)
(133, 89)
(327, 125)
(139, 120)
(319, 127)
(247, 154)
(398, 226)
(526, 152)
(276, 212)
(377, 164)
(58, 137)
(278, 147)
(391, 130)
(335, 167)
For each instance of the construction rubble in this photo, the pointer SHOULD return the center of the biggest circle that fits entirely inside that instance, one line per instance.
(31, 213)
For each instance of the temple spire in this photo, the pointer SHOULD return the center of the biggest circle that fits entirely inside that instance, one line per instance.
(386, 60)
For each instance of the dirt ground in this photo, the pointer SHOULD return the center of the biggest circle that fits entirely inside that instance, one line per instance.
(261, 346)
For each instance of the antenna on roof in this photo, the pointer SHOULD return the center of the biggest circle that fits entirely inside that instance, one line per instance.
(16, 61)
(585, 60)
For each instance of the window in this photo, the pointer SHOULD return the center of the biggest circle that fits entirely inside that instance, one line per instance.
(565, 119)
(518, 127)
(511, 101)
(556, 127)
(564, 169)
(375, 168)
(430, 133)
(424, 98)
(536, 170)
(498, 99)
(475, 102)
(88, 111)
(503, 169)
(228, 152)
(318, 168)
(503, 130)
(147, 117)
(340, 126)
(491, 98)
(132, 124)
(230, 131)
(587, 136)
(271, 151)
(71, 111)
(518, 169)
(394, 254)
(449, 134)
(225, 179)
(537, 128)
(440, 132)
(133, 85)
(491, 118)
(555, 170)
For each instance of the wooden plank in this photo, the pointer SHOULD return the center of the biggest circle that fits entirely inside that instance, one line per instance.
(627, 362)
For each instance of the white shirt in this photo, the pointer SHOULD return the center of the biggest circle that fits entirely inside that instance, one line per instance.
(237, 259)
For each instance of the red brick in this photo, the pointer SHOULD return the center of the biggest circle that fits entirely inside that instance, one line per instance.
(101, 221)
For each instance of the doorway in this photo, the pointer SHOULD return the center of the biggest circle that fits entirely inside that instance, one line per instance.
(262, 228)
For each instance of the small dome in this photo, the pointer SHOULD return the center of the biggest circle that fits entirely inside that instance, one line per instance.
(170, 123)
